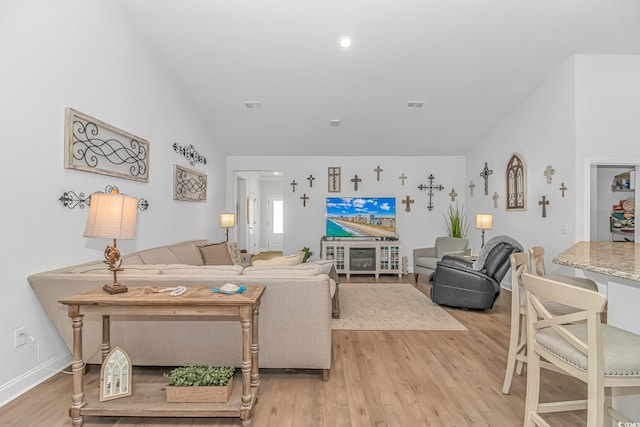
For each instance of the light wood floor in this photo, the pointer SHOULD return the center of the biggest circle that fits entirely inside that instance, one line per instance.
(379, 378)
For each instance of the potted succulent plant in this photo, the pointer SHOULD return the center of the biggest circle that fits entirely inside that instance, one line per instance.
(200, 383)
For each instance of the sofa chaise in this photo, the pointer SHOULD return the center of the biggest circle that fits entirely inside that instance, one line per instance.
(294, 323)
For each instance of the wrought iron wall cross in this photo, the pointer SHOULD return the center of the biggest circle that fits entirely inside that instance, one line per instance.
(431, 188)
(485, 175)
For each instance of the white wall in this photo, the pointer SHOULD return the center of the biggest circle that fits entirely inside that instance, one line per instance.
(304, 226)
(541, 130)
(607, 125)
(83, 55)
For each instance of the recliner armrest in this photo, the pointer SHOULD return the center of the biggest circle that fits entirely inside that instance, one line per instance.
(451, 259)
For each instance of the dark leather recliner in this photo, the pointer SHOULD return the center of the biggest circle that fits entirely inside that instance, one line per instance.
(455, 283)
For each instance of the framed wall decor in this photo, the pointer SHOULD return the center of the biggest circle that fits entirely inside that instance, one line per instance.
(92, 145)
(516, 175)
(334, 179)
(189, 185)
(115, 375)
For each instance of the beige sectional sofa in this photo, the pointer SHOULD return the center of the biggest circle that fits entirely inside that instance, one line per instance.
(294, 322)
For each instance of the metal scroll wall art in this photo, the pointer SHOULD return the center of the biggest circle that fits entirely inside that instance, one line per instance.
(94, 146)
(71, 199)
(189, 152)
(431, 188)
(189, 185)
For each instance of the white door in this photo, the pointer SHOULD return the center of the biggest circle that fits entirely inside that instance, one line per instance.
(276, 223)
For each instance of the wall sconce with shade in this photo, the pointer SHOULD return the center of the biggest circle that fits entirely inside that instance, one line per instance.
(112, 216)
(227, 220)
(484, 222)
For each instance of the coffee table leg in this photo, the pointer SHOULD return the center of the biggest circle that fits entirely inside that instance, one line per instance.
(77, 368)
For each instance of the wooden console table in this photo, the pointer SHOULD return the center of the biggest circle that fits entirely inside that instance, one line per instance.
(148, 400)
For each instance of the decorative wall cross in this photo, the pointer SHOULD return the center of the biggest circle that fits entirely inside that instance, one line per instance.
(548, 172)
(471, 187)
(377, 170)
(495, 198)
(544, 202)
(408, 201)
(355, 181)
(402, 177)
(485, 175)
(334, 179)
(430, 188)
(563, 189)
(453, 194)
(310, 178)
(304, 199)
(293, 185)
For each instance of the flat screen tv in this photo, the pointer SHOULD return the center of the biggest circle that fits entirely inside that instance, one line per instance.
(361, 217)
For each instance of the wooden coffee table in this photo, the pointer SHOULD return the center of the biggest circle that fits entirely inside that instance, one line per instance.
(148, 400)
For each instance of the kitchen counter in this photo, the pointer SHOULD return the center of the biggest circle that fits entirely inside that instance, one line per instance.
(619, 259)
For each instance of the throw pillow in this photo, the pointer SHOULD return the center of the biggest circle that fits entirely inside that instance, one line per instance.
(294, 259)
(216, 254)
(234, 253)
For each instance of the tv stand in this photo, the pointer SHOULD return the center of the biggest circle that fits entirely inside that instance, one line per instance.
(364, 257)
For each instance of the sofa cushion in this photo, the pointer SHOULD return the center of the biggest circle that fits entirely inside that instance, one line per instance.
(187, 253)
(301, 270)
(131, 259)
(215, 254)
(100, 267)
(287, 260)
(234, 253)
(203, 270)
(326, 265)
(161, 255)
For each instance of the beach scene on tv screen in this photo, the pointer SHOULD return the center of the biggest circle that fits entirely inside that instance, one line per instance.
(361, 217)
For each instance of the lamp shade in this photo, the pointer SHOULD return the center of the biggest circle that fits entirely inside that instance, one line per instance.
(227, 220)
(484, 221)
(112, 216)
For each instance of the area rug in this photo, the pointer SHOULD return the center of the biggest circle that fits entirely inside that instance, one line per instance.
(390, 307)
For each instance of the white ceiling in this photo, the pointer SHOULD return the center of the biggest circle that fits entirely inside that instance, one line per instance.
(471, 61)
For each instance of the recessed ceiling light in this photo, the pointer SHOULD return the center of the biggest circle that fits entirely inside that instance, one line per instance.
(252, 104)
(334, 122)
(344, 42)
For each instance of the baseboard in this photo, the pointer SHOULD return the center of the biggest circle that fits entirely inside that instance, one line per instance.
(30, 379)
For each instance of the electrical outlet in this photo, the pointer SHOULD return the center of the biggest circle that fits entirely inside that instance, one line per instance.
(20, 337)
(565, 228)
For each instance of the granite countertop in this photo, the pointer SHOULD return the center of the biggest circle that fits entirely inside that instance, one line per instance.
(619, 259)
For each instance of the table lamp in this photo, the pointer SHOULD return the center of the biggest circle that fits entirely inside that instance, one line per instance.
(112, 216)
(227, 220)
(484, 222)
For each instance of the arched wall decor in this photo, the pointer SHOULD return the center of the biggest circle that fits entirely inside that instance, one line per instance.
(115, 375)
(516, 175)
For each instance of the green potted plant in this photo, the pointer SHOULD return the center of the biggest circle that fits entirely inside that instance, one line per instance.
(200, 383)
(456, 222)
(307, 253)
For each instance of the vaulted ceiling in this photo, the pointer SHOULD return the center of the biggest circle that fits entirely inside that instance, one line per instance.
(470, 61)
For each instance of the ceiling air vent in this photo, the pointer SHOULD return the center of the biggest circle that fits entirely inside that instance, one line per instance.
(334, 122)
(252, 104)
(415, 104)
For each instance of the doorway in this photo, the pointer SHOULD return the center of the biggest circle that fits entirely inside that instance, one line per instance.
(612, 202)
(253, 191)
